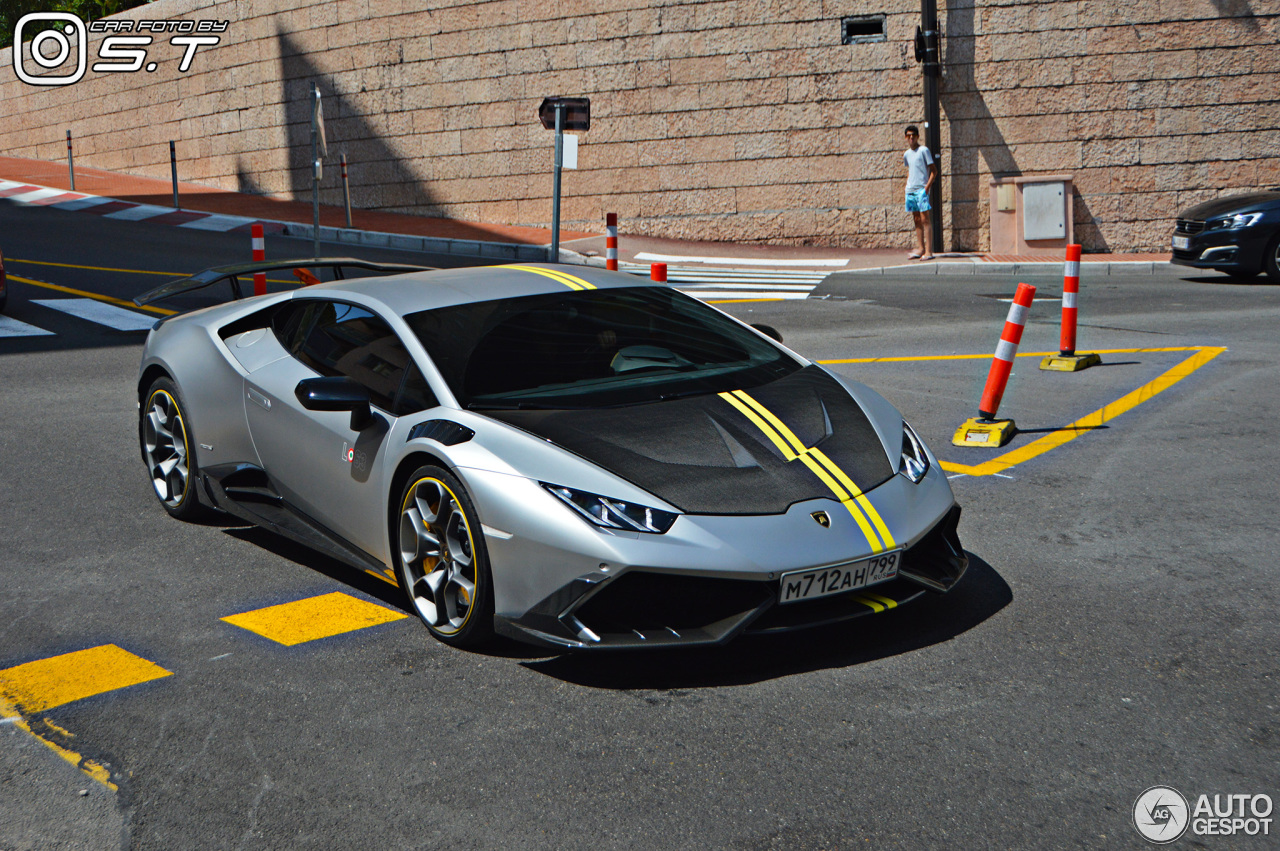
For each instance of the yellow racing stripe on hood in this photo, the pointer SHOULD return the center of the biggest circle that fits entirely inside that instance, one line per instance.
(839, 482)
(571, 281)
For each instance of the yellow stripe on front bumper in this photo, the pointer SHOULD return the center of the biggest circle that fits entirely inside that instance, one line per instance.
(571, 281)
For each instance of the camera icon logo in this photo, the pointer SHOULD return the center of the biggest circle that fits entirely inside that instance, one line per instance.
(60, 36)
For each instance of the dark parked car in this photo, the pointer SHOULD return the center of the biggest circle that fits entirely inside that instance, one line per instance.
(1239, 235)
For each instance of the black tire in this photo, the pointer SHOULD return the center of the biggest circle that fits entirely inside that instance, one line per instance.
(165, 438)
(441, 560)
(1271, 260)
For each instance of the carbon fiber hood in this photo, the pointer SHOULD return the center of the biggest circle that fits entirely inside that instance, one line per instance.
(707, 455)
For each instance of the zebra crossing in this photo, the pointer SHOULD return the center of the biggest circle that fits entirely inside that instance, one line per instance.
(737, 284)
(89, 310)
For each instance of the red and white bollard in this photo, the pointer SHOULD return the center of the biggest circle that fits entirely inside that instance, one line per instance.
(611, 241)
(1067, 360)
(259, 255)
(985, 430)
(658, 272)
(1006, 351)
(1070, 289)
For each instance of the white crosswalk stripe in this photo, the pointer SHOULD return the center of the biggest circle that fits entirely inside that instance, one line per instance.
(100, 312)
(10, 327)
(726, 284)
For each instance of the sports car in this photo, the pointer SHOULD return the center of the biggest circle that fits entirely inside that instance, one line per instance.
(566, 456)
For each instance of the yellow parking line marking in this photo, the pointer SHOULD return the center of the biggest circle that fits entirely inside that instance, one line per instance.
(987, 356)
(1068, 433)
(95, 296)
(90, 767)
(314, 618)
(1108, 412)
(46, 683)
(741, 300)
(97, 268)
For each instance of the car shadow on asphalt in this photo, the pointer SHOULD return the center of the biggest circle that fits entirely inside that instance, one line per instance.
(339, 571)
(930, 620)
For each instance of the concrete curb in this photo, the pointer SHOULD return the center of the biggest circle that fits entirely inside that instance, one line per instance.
(341, 236)
(424, 244)
(1097, 267)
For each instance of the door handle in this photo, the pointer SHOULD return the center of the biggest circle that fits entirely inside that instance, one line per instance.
(259, 399)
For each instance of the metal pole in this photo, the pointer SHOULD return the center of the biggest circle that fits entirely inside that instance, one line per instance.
(173, 169)
(555, 202)
(932, 68)
(71, 165)
(315, 184)
(346, 190)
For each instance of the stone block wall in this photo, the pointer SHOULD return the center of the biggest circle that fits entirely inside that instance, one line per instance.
(711, 119)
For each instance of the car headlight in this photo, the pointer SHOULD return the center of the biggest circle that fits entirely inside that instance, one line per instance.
(915, 461)
(612, 513)
(1239, 220)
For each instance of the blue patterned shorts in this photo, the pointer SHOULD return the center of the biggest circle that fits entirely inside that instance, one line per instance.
(917, 201)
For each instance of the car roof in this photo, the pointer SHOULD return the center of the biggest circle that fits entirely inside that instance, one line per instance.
(417, 291)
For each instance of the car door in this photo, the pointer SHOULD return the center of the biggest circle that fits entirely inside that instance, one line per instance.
(320, 465)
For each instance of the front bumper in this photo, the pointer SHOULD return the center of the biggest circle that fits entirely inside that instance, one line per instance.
(1225, 250)
(642, 608)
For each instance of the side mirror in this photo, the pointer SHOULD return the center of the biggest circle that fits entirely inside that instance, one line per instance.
(338, 393)
(767, 330)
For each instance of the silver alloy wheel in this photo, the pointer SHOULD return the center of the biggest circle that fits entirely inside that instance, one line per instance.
(438, 555)
(165, 442)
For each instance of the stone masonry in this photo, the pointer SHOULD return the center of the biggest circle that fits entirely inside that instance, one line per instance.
(744, 120)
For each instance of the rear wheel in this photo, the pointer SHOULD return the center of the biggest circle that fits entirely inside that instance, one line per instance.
(442, 564)
(1271, 260)
(165, 438)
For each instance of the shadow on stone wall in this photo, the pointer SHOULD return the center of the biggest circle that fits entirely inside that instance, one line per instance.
(974, 132)
(379, 178)
(1238, 10)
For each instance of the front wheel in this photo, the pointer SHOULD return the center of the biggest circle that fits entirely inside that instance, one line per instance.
(165, 437)
(1271, 261)
(442, 563)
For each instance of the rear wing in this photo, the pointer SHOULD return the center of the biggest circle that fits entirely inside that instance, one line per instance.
(231, 275)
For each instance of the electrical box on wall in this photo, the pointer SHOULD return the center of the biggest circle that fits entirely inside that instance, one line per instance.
(1031, 215)
(1043, 211)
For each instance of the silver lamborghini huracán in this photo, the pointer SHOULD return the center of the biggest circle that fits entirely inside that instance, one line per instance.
(569, 457)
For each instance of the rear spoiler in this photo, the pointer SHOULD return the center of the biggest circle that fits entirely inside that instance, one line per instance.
(232, 275)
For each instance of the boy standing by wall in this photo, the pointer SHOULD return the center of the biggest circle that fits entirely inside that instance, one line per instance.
(921, 172)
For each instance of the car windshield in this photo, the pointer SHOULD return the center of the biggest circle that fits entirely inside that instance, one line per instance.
(593, 348)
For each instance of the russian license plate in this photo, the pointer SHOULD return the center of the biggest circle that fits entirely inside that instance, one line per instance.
(1181, 243)
(810, 584)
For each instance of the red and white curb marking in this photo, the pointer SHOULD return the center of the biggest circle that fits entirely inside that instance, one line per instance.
(31, 195)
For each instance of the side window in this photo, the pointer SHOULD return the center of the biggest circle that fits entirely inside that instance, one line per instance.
(291, 320)
(334, 338)
(415, 394)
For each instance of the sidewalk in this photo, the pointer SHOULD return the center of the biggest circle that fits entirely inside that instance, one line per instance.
(483, 239)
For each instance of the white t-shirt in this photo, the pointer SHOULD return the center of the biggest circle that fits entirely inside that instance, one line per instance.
(918, 162)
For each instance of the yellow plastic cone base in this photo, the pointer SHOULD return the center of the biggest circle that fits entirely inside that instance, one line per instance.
(991, 434)
(1069, 363)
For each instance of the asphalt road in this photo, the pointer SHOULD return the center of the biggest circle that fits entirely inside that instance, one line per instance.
(1116, 630)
